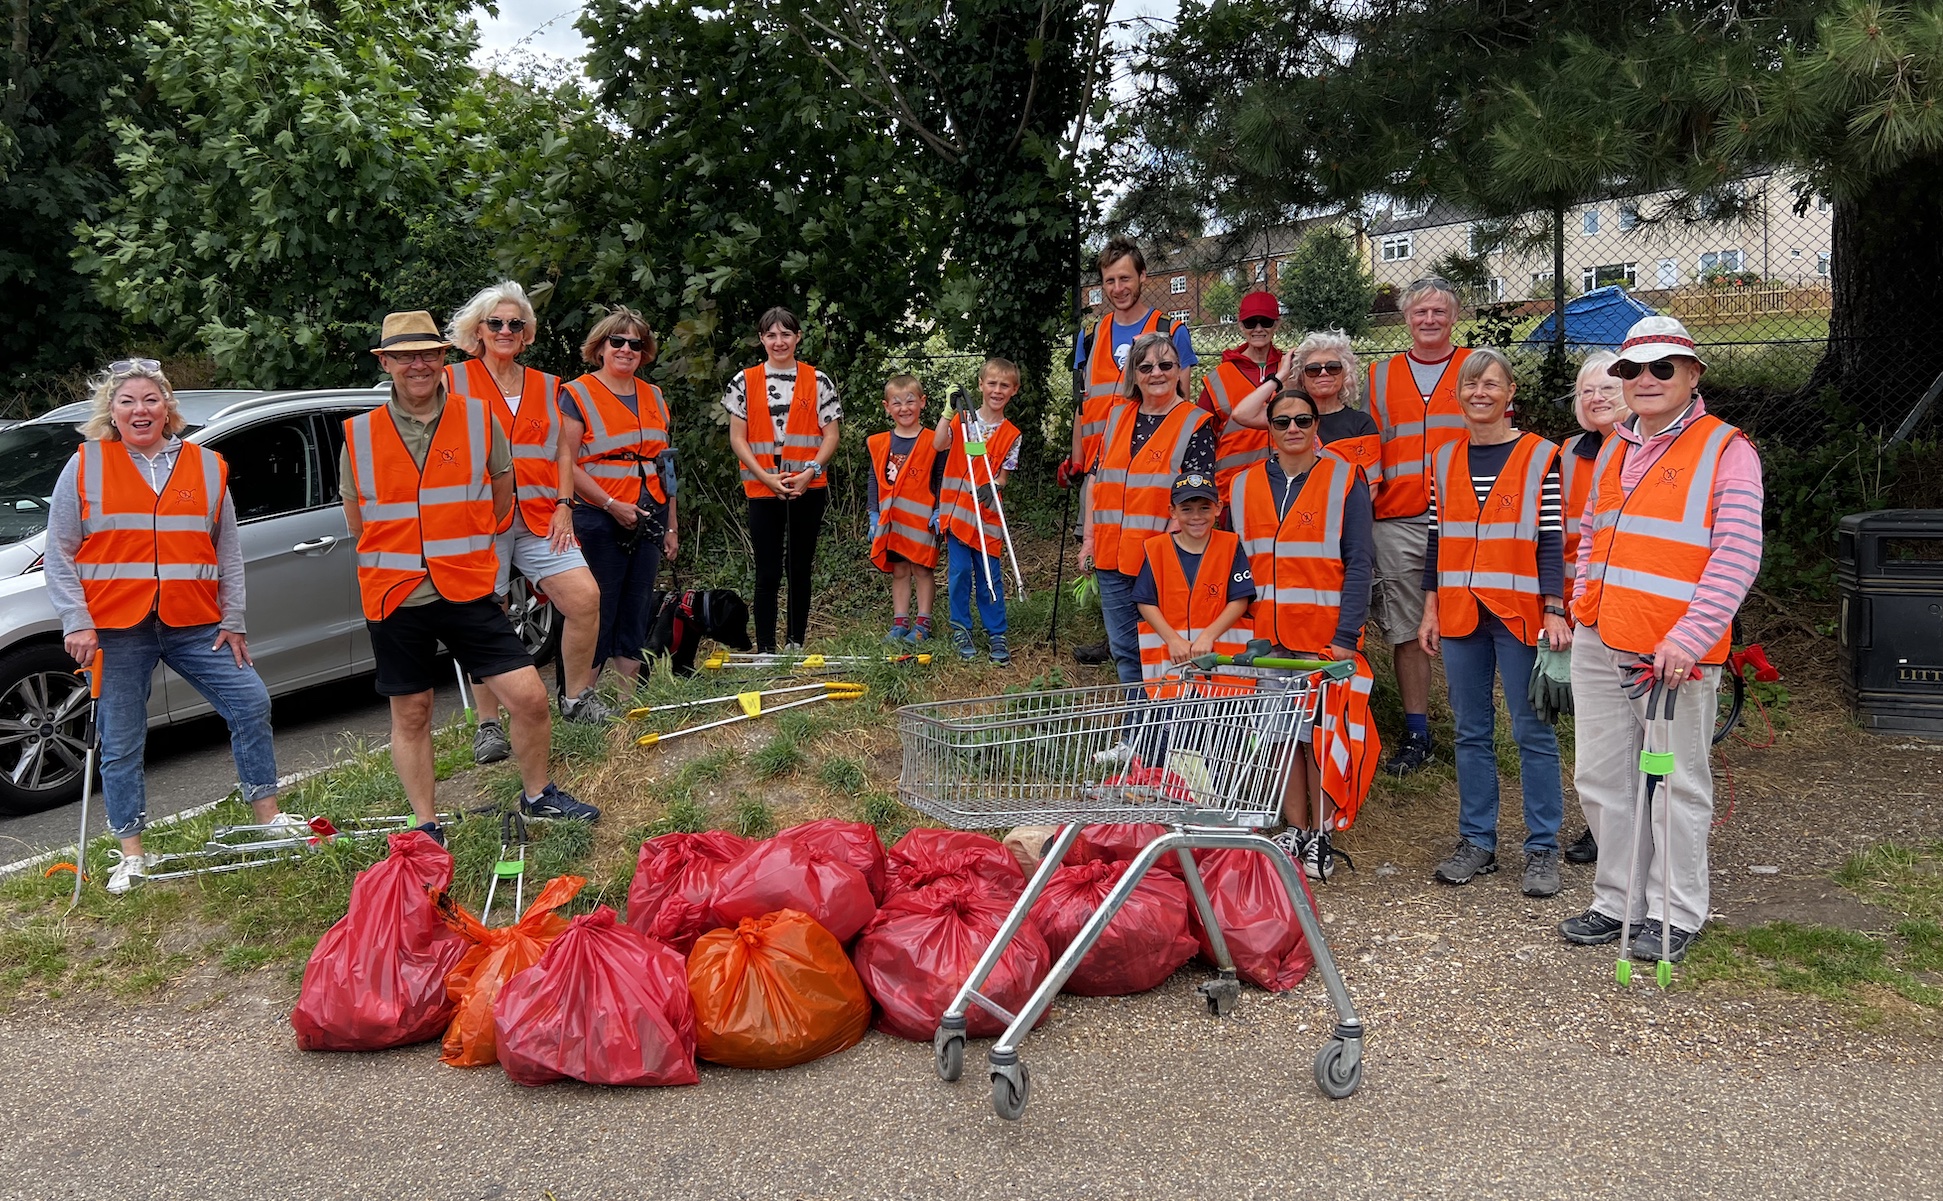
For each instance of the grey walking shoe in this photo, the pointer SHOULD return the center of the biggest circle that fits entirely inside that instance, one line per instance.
(586, 709)
(1466, 861)
(489, 744)
(1541, 874)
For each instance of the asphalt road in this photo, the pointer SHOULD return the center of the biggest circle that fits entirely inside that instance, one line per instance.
(190, 764)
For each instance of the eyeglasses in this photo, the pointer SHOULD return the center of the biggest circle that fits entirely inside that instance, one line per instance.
(1301, 421)
(637, 345)
(1316, 370)
(131, 366)
(1627, 369)
(1158, 368)
(415, 356)
(1257, 322)
(515, 324)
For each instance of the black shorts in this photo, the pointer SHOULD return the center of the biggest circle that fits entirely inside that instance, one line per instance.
(477, 632)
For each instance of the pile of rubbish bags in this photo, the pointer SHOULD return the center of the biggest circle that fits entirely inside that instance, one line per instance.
(759, 953)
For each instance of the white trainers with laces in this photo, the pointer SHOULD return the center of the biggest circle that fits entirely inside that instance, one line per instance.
(130, 869)
(1294, 842)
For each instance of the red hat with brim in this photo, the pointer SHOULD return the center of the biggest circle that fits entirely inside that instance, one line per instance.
(1261, 304)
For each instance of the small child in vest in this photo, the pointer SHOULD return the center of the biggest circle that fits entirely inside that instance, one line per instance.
(905, 471)
(1194, 587)
(966, 521)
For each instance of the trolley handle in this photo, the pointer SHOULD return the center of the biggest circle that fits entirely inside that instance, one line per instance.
(1334, 669)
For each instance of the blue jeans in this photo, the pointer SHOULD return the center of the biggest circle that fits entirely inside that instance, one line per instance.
(965, 579)
(128, 659)
(1470, 665)
(1122, 622)
(625, 575)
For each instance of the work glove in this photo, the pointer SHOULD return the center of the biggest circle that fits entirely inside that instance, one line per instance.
(1070, 472)
(1551, 682)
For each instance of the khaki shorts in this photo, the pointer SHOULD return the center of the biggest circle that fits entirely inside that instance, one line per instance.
(1397, 598)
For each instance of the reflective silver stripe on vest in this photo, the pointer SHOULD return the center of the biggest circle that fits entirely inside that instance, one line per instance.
(1652, 585)
(1501, 581)
(1692, 528)
(364, 467)
(403, 511)
(115, 571)
(1241, 458)
(186, 571)
(450, 494)
(445, 548)
(1224, 404)
(909, 508)
(387, 561)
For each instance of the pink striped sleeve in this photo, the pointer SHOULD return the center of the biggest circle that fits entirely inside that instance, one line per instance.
(1735, 558)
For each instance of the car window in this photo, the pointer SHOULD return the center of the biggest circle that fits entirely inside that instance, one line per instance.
(31, 458)
(273, 468)
(333, 444)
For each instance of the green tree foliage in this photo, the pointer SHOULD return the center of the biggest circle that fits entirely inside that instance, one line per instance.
(1222, 299)
(298, 167)
(1326, 286)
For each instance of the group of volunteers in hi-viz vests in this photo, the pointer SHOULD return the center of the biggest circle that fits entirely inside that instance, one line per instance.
(1279, 508)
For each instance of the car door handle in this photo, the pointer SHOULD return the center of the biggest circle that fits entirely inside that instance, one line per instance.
(316, 546)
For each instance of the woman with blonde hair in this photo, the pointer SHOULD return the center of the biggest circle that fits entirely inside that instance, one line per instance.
(1324, 365)
(144, 567)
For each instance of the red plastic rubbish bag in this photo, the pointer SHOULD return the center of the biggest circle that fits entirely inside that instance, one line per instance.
(1145, 943)
(855, 843)
(925, 857)
(1257, 919)
(921, 948)
(774, 992)
(674, 880)
(796, 874)
(1120, 843)
(377, 977)
(606, 1004)
(498, 954)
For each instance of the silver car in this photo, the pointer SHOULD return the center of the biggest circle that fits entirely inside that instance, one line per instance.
(306, 624)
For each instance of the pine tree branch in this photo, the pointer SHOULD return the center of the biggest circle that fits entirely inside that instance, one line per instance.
(897, 108)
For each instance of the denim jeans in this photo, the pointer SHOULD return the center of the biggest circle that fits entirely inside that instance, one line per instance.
(965, 579)
(128, 659)
(625, 576)
(1470, 665)
(1122, 622)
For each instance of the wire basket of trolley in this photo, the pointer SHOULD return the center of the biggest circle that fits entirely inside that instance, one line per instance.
(1205, 753)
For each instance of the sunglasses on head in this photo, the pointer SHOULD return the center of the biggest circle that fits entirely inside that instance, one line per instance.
(1301, 421)
(498, 324)
(637, 345)
(1627, 369)
(131, 366)
(1332, 367)
(1152, 368)
(1257, 322)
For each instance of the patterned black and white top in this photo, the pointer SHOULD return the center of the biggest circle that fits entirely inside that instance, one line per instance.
(829, 407)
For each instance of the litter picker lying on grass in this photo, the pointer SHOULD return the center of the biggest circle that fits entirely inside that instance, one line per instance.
(728, 659)
(751, 704)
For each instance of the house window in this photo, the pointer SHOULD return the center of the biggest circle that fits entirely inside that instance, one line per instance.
(1177, 285)
(1397, 247)
(1609, 274)
(1261, 271)
(1669, 273)
(1495, 286)
(1590, 221)
(1628, 218)
(1821, 204)
(1093, 296)
(1821, 264)
(1180, 314)
(1725, 262)
(1406, 209)
(1485, 240)
(1794, 254)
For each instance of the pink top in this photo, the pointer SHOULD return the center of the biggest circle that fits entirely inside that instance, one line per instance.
(1735, 557)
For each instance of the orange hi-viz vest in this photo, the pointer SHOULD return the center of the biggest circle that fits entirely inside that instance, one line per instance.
(621, 448)
(1133, 492)
(1103, 376)
(1297, 557)
(1489, 555)
(533, 432)
(1190, 610)
(1236, 446)
(144, 551)
(1363, 450)
(1346, 744)
(959, 513)
(904, 505)
(1650, 547)
(435, 520)
(802, 431)
(1414, 428)
(1575, 484)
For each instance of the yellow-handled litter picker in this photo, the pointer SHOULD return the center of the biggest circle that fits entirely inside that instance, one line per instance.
(752, 705)
(779, 662)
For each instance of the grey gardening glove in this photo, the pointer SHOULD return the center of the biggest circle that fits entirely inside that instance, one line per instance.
(1551, 682)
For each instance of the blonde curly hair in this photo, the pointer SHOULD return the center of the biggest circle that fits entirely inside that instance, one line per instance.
(102, 389)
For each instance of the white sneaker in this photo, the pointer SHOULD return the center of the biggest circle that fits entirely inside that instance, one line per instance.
(1118, 755)
(285, 825)
(1314, 865)
(1294, 842)
(129, 870)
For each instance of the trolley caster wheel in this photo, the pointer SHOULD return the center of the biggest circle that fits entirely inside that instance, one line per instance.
(1339, 1068)
(1011, 1085)
(1222, 995)
(948, 1052)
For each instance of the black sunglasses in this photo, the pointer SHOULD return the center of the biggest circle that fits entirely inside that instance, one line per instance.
(1332, 367)
(1301, 421)
(1257, 322)
(1627, 369)
(515, 324)
(637, 345)
(1156, 368)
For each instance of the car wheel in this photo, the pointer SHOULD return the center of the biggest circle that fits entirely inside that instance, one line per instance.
(43, 724)
(534, 619)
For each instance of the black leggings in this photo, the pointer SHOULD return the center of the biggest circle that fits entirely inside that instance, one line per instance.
(784, 533)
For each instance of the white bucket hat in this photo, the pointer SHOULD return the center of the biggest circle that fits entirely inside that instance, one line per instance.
(1654, 338)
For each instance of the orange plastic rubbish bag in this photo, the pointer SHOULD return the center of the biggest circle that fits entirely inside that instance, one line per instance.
(774, 992)
(499, 955)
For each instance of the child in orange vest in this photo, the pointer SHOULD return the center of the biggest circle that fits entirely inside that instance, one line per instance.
(961, 517)
(905, 470)
(1194, 587)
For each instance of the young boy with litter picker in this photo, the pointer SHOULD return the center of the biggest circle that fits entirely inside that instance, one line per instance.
(1194, 587)
(905, 473)
(974, 537)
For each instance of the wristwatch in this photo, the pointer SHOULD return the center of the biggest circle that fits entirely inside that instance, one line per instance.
(562, 500)
(1555, 611)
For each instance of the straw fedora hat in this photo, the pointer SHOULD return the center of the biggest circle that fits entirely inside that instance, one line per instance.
(410, 331)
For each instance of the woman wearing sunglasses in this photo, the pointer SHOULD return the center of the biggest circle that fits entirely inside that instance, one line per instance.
(624, 477)
(1256, 363)
(495, 327)
(1305, 519)
(784, 423)
(1324, 366)
(1494, 579)
(1148, 445)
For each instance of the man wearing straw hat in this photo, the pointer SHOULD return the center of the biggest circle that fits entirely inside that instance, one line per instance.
(426, 480)
(1669, 544)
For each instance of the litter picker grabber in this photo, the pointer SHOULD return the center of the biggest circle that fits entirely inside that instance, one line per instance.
(751, 705)
(91, 736)
(1059, 567)
(465, 690)
(512, 837)
(780, 662)
(1655, 768)
(976, 450)
(238, 848)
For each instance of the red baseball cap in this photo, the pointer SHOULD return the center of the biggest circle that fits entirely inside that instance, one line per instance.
(1260, 304)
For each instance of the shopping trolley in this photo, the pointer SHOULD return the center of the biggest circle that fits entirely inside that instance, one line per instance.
(1207, 755)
